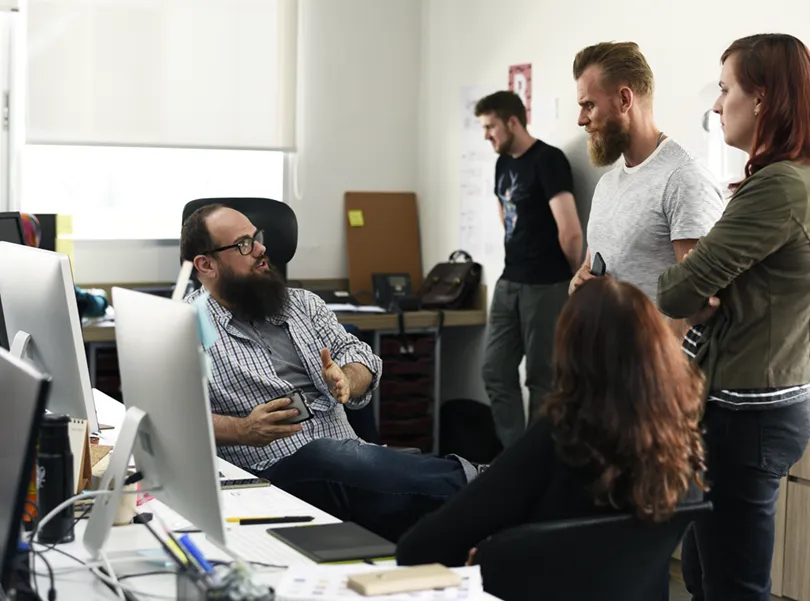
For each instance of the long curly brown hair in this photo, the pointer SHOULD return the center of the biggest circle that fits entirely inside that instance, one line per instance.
(627, 402)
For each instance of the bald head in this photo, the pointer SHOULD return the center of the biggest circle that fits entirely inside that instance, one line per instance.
(210, 239)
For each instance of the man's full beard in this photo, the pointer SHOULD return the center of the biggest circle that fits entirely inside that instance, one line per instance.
(608, 144)
(255, 296)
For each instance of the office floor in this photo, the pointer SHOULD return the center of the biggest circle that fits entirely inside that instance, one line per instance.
(677, 590)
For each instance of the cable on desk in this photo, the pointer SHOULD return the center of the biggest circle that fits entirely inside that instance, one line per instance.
(132, 591)
(66, 503)
(108, 569)
(133, 478)
(52, 587)
(152, 573)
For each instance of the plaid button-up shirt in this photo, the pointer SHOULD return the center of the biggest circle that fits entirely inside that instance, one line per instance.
(243, 376)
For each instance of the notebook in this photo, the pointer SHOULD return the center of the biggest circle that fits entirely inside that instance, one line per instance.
(345, 541)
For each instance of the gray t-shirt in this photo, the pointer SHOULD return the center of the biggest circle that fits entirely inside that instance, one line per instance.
(637, 212)
(286, 361)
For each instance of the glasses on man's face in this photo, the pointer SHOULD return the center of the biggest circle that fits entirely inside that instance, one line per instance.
(245, 245)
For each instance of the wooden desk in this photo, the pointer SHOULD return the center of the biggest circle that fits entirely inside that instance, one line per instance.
(369, 322)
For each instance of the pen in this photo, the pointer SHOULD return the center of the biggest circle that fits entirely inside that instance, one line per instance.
(169, 552)
(287, 519)
(192, 549)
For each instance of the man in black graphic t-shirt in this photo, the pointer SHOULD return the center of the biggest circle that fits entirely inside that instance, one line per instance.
(543, 240)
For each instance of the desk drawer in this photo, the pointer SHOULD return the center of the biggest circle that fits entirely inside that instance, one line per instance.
(423, 345)
(404, 388)
(415, 406)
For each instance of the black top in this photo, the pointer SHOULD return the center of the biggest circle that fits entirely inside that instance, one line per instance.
(527, 483)
(525, 185)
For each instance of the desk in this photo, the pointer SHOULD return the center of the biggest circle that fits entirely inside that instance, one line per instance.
(82, 584)
(369, 322)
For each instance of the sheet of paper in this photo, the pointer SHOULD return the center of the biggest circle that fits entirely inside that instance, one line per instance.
(328, 583)
(349, 308)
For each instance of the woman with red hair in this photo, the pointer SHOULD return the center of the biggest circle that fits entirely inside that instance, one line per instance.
(618, 433)
(748, 283)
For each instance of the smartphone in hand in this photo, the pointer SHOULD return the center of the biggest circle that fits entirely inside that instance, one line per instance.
(298, 401)
(598, 267)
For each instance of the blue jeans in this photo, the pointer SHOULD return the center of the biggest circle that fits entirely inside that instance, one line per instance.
(726, 556)
(381, 489)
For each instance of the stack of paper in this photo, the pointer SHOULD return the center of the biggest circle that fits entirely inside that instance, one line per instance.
(328, 583)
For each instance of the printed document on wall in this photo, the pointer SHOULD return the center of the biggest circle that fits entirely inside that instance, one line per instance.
(478, 209)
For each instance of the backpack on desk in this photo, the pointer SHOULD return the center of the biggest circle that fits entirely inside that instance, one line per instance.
(451, 285)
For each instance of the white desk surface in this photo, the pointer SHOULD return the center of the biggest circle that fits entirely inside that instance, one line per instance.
(128, 541)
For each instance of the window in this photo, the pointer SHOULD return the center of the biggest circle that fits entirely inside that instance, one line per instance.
(139, 192)
(727, 164)
(161, 73)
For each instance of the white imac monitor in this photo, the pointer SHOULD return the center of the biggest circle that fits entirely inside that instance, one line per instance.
(168, 422)
(43, 325)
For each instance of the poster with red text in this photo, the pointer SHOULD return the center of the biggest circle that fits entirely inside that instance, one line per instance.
(520, 82)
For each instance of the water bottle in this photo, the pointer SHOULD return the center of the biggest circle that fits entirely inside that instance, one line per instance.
(55, 464)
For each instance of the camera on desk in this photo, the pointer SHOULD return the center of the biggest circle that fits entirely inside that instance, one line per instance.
(394, 292)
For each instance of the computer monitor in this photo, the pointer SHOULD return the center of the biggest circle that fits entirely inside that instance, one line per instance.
(11, 230)
(22, 405)
(168, 421)
(43, 324)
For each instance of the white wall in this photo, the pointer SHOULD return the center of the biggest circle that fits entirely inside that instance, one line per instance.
(358, 107)
(358, 103)
(469, 42)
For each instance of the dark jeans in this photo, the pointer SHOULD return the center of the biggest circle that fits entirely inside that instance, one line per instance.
(384, 490)
(727, 555)
(522, 320)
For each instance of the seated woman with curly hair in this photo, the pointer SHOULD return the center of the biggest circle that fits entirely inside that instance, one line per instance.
(618, 433)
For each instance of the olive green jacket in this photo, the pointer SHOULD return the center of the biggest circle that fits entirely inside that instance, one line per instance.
(756, 259)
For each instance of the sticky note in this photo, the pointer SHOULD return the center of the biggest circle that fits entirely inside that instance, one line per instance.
(207, 331)
(356, 218)
(64, 225)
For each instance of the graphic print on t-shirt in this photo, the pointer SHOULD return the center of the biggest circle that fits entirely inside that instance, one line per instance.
(510, 193)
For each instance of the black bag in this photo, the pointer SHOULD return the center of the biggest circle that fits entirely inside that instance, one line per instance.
(451, 285)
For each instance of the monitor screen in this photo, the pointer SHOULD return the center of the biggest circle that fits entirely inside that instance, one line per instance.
(11, 229)
(23, 404)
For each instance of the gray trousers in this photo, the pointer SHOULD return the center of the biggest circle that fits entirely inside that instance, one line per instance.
(522, 320)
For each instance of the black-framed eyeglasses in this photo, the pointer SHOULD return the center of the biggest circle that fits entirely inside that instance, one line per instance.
(245, 245)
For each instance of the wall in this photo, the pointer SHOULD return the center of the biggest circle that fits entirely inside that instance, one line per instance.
(358, 103)
(469, 42)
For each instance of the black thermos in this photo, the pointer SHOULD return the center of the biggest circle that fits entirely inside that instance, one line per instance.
(55, 461)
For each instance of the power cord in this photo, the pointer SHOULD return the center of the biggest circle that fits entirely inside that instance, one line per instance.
(133, 478)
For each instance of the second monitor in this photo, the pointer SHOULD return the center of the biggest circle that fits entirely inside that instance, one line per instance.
(168, 422)
(44, 327)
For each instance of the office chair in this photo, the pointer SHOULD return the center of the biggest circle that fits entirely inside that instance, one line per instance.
(274, 217)
(604, 558)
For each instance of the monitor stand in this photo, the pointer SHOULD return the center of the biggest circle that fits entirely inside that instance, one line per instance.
(21, 349)
(105, 506)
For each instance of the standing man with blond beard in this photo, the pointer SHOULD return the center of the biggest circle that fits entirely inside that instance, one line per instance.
(649, 211)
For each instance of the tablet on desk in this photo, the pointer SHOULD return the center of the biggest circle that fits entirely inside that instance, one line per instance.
(345, 541)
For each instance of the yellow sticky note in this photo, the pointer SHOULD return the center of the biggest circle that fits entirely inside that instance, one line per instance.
(356, 218)
(64, 225)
